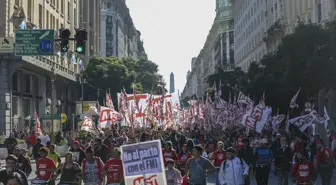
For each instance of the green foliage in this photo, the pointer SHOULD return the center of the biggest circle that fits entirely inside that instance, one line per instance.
(114, 74)
(304, 59)
(231, 81)
(184, 102)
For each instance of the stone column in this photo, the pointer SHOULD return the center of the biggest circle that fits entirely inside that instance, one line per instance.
(42, 92)
(5, 96)
(227, 47)
(103, 35)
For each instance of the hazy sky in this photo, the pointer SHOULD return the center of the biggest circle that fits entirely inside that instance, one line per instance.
(173, 32)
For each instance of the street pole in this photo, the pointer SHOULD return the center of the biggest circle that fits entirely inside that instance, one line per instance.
(82, 82)
(52, 104)
(73, 122)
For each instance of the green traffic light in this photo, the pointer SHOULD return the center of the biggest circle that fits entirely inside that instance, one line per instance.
(79, 49)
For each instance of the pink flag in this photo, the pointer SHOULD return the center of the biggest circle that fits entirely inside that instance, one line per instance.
(38, 124)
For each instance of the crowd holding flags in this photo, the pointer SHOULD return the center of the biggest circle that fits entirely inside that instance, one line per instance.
(148, 110)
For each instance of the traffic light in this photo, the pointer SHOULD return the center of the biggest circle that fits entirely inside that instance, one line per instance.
(64, 34)
(81, 38)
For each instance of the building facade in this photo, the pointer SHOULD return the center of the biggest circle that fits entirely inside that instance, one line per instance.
(249, 29)
(260, 25)
(224, 45)
(171, 83)
(217, 52)
(25, 82)
(118, 35)
(89, 19)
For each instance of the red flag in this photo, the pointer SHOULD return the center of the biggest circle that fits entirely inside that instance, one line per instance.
(136, 99)
(109, 102)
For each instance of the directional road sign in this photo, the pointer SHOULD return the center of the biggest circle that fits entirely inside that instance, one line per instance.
(6, 45)
(34, 42)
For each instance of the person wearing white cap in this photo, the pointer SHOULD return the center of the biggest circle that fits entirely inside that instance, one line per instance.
(264, 156)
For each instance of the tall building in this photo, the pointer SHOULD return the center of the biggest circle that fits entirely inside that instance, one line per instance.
(172, 83)
(118, 35)
(224, 45)
(217, 52)
(261, 24)
(249, 29)
(89, 19)
(25, 82)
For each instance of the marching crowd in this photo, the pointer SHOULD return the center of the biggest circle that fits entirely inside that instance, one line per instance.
(234, 157)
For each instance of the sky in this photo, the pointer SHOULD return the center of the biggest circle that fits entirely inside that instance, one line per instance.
(173, 32)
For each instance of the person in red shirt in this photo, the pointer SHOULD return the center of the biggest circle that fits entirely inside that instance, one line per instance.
(303, 171)
(114, 169)
(32, 139)
(325, 164)
(45, 166)
(182, 158)
(239, 142)
(300, 145)
(169, 152)
(219, 155)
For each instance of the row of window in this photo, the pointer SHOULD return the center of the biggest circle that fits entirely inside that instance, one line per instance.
(250, 33)
(250, 27)
(248, 10)
(109, 5)
(26, 106)
(51, 22)
(29, 84)
(241, 55)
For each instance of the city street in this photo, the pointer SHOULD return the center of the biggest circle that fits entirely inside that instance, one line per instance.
(272, 181)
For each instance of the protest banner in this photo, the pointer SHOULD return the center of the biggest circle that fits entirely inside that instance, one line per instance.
(256, 117)
(143, 163)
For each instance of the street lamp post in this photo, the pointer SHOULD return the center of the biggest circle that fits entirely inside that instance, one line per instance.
(73, 123)
(52, 103)
(82, 83)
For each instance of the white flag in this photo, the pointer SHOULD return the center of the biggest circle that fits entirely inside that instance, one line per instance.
(293, 100)
(326, 116)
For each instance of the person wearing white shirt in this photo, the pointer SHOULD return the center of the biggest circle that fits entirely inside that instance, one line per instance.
(45, 139)
(204, 154)
(234, 170)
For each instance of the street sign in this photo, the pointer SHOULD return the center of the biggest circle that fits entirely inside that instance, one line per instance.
(6, 45)
(34, 42)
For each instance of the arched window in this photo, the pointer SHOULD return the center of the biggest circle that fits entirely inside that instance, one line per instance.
(109, 5)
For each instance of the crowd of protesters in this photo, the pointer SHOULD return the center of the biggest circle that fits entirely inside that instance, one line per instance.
(234, 157)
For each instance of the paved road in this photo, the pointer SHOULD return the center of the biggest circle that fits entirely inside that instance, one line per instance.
(272, 179)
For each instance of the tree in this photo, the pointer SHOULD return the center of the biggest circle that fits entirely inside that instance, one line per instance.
(231, 81)
(298, 62)
(146, 73)
(114, 74)
(304, 59)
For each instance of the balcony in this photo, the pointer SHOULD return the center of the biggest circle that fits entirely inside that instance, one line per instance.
(60, 65)
(49, 64)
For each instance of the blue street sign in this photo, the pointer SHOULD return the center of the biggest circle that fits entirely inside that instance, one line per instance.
(46, 46)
